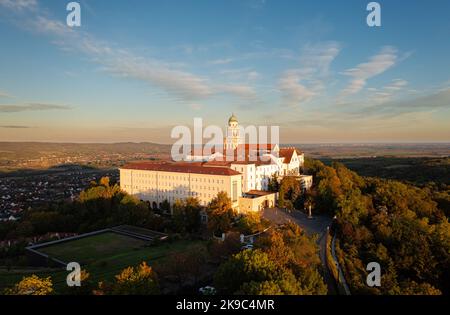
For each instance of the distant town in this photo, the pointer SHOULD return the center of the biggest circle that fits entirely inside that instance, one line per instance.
(35, 189)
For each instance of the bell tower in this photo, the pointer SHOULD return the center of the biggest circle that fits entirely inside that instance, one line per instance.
(233, 138)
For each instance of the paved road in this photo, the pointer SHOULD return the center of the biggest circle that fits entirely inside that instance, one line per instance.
(317, 225)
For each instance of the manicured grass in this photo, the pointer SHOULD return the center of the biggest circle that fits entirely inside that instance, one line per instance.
(117, 254)
(92, 248)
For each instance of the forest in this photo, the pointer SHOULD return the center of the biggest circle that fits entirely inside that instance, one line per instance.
(403, 227)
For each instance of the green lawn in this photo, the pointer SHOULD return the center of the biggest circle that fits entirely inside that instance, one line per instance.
(104, 256)
(93, 248)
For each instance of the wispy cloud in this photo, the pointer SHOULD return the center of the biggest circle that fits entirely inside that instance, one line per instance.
(4, 94)
(183, 85)
(246, 74)
(387, 92)
(19, 5)
(303, 83)
(392, 108)
(317, 58)
(31, 107)
(14, 127)
(243, 91)
(376, 65)
(293, 92)
(397, 84)
(221, 61)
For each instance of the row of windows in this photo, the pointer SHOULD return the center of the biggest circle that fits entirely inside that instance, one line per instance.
(172, 177)
(176, 192)
(172, 200)
(171, 197)
(172, 185)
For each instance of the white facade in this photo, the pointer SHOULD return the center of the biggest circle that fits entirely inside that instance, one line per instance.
(156, 186)
(248, 174)
(306, 181)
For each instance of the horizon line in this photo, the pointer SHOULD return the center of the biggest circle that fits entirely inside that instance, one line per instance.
(286, 143)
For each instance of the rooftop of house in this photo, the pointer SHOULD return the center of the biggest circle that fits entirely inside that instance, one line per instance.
(259, 192)
(181, 167)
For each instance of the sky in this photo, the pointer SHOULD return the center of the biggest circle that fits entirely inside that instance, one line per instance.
(135, 69)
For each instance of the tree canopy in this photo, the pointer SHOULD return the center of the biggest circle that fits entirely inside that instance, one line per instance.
(220, 213)
(396, 224)
(32, 285)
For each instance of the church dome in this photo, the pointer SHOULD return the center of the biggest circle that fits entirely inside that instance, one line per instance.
(232, 119)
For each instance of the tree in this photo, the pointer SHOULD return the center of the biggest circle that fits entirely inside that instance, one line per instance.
(165, 206)
(219, 250)
(246, 266)
(328, 189)
(261, 288)
(32, 285)
(311, 282)
(286, 283)
(312, 166)
(101, 190)
(251, 223)
(273, 184)
(184, 266)
(289, 193)
(253, 272)
(352, 206)
(186, 215)
(104, 181)
(220, 213)
(291, 249)
(414, 288)
(273, 244)
(140, 280)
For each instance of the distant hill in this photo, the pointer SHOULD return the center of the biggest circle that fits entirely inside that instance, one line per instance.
(370, 150)
(34, 149)
(415, 170)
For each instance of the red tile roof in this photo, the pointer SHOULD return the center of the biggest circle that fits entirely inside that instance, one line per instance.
(249, 146)
(244, 160)
(216, 163)
(259, 192)
(193, 168)
(287, 153)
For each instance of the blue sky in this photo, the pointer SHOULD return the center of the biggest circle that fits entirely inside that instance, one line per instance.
(134, 69)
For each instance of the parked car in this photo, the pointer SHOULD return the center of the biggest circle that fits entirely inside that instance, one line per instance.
(248, 246)
(208, 290)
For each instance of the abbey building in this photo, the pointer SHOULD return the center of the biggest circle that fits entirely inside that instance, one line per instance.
(244, 179)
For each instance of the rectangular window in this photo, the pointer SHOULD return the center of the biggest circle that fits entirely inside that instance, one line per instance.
(234, 191)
